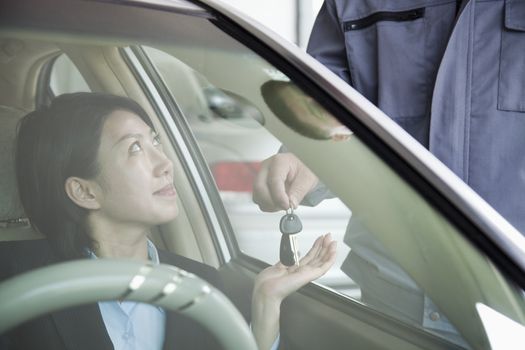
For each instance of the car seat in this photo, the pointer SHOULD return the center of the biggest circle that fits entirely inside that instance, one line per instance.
(13, 223)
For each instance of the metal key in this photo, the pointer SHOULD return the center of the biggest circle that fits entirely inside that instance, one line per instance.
(290, 226)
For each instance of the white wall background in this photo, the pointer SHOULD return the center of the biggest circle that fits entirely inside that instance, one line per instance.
(292, 19)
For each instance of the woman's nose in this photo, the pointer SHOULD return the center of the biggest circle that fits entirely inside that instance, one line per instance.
(163, 165)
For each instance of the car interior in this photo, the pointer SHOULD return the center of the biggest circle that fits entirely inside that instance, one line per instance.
(108, 59)
(24, 65)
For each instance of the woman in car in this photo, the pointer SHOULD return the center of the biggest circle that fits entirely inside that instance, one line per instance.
(93, 178)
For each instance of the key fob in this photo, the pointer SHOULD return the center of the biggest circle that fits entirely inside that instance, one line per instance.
(290, 224)
(286, 251)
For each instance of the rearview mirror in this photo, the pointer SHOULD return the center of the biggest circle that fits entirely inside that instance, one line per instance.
(229, 105)
(301, 112)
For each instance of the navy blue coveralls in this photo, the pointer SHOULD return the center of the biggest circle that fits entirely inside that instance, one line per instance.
(452, 74)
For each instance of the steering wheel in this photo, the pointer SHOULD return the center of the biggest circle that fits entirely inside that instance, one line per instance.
(68, 284)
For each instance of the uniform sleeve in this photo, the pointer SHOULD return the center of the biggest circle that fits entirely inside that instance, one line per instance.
(327, 41)
(318, 194)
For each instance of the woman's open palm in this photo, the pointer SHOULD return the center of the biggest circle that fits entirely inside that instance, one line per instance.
(279, 281)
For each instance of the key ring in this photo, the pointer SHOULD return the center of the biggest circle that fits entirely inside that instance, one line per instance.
(290, 209)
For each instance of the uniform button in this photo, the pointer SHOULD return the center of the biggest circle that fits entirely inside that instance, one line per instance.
(434, 316)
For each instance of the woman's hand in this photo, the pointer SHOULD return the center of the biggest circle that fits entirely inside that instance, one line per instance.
(276, 282)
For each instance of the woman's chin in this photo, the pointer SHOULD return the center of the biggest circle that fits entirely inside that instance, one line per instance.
(168, 215)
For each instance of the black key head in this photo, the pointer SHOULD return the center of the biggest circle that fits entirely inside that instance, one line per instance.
(286, 253)
(290, 224)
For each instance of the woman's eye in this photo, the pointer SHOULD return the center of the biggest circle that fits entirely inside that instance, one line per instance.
(135, 147)
(156, 140)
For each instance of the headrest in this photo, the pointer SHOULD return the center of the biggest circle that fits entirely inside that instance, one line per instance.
(10, 206)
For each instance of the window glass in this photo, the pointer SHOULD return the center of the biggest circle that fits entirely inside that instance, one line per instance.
(65, 77)
(396, 254)
(230, 132)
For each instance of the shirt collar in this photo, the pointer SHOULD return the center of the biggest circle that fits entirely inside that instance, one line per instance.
(153, 253)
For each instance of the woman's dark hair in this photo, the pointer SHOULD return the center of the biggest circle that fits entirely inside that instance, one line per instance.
(57, 142)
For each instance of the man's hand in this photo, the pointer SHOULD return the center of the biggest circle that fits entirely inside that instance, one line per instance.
(283, 181)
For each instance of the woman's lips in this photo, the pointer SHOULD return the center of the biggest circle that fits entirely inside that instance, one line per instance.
(167, 190)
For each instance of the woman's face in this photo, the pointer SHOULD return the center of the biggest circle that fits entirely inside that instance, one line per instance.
(135, 182)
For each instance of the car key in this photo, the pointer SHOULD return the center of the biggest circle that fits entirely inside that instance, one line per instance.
(289, 226)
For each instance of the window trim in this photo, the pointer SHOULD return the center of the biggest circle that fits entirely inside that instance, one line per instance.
(44, 93)
(183, 7)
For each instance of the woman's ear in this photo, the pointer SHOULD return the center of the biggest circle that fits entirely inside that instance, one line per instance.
(82, 193)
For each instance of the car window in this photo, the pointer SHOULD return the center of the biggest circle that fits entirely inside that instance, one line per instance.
(230, 131)
(397, 254)
(65, 77)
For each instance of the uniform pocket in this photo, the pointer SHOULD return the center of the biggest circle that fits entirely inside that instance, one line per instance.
(386, 56)
(511, 86)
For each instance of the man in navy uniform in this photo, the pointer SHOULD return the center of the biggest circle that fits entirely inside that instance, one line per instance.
(452, 74)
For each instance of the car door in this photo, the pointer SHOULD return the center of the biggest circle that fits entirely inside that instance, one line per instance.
(415, 245)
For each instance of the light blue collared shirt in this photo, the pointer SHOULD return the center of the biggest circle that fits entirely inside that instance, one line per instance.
(137, 326)
(132, 325)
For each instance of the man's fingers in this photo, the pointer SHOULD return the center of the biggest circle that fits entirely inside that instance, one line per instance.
(301, 184)
(261, 194)
(282, 181)
(265, 201)
(278, 172)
